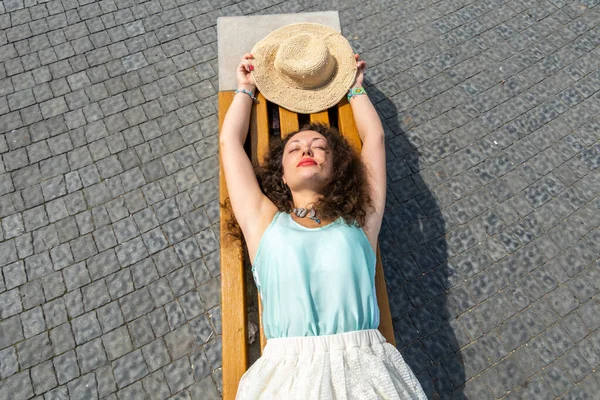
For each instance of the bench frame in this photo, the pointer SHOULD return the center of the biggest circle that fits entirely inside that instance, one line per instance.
(233, 285)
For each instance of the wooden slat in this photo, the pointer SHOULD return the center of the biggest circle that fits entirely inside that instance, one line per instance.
(347, 127)
(288, 122)
(322, 117)
(346, 124)
(233, 292)
(259, 137)
(386, 326)
(259, 130)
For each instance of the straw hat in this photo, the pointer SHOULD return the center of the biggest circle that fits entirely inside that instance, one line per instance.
(304, 67)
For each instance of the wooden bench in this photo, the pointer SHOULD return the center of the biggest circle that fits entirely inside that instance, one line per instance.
(233, 265)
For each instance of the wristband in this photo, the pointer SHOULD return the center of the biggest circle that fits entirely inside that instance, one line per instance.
(355, 91)
(249, 93)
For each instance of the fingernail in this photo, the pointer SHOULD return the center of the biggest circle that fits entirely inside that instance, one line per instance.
(252, 68)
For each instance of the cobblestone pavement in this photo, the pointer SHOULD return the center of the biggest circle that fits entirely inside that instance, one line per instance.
(109, 202)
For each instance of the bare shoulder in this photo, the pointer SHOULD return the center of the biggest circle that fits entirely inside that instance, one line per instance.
(253, 233)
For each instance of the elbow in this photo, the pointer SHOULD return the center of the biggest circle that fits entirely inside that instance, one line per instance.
(375, 136)
(227, 142)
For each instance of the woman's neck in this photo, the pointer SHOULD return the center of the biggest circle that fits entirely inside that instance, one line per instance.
(305, 199)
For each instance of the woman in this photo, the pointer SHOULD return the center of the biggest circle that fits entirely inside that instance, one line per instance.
(315, 270)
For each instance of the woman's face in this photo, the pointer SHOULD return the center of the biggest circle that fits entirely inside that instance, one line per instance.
(307, 161)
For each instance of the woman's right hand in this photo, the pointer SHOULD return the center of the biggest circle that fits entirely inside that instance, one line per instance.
(361, 68)
(244, 75)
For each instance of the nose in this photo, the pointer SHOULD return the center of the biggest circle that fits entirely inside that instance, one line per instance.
(307, 151)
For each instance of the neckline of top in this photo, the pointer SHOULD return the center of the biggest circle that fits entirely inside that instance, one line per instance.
(312, 229)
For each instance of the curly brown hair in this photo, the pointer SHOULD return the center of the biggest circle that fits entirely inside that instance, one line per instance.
(346, 195)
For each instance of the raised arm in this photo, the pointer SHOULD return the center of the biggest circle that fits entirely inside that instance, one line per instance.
(372, 154)
(247, 200)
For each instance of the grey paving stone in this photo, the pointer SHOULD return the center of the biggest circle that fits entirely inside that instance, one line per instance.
(204, 388)
(181, 281)
(575, 365)
(117, 343)
(43, 377)
(179, 374)
(213, 352)
(201, 329)
(161, 292)
(83, 247)
(66, 367)
(141, 331)
(83, 387)
(110, 316)
(76, 276)
(125, 229)
(102, 264)
(563, 301)
(8, 362)
(130, 368)
(105, 381)
(32, 294)
(74, 303)
(201, 274)
(14, 275)
(136, 304)
(188, 250)
(557, 378)
(180, 342)
(33, 322)
(86, 327)
(144, 272)
(176, 230)
(95, 295)
(191, 304)
(62, 338)
(55, 313)
(12, 226)
(34, 350)
(10, 303)
(119, 283)
(18, 385)
(210, 293)
(38, 265)
(159, 322)
(100, 216)
(590, 318)
(134, 61)
(175, 314)
(53, 285)
(156, 354)
(131, 252)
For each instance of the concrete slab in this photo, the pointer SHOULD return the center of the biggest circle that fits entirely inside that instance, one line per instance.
(238, 35)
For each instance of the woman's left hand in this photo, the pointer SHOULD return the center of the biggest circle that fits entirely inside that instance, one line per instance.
(360, 73)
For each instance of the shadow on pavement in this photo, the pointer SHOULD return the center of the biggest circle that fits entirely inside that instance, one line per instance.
(415, 260)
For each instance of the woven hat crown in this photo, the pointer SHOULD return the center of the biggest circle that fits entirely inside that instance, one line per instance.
(303, 61)
(304, 67)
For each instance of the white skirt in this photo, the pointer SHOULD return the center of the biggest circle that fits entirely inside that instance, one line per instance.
(354, 365)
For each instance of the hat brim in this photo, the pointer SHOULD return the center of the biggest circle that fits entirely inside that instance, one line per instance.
(304, 101)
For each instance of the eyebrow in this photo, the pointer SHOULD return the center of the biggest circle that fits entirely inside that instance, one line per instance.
(313, 139)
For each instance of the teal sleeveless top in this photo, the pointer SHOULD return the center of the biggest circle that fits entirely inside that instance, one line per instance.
(315, 281)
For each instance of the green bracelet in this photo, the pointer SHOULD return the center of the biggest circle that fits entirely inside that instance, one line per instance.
(355, 91)
(249, 93)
